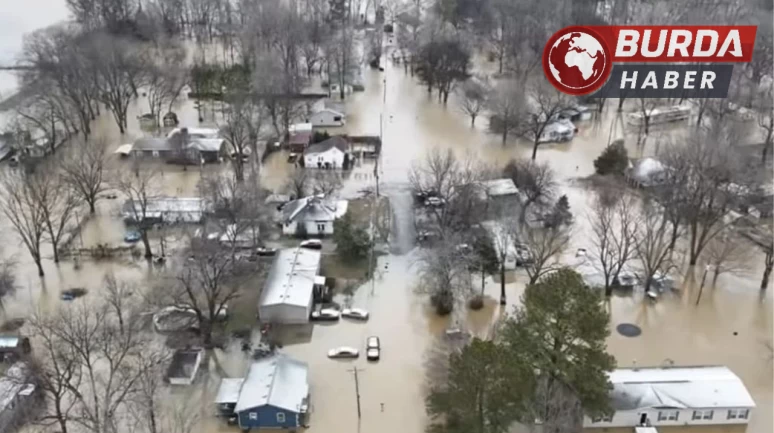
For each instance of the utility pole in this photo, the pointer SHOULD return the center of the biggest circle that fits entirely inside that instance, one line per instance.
(357, 389)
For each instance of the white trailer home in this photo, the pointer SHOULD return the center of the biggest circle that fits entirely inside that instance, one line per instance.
(675, 396)
(288, 295)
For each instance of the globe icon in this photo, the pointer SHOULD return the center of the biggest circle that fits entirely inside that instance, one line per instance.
(577, 60)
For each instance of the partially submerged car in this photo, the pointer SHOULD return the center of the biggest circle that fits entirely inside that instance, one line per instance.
(312, 244)
(343, 352)
(435, 202)
(355, 313)
(325, 314)
(373, 348)
(132, 236)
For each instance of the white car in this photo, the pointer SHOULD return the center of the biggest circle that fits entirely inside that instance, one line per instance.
(373, 348)
(355, 313)
(325, 314)
(435, 201)
(343, 352)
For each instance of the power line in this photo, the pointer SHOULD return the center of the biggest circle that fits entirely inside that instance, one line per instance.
(357, 389)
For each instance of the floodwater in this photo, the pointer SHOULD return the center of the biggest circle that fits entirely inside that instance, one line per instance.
(732, 325)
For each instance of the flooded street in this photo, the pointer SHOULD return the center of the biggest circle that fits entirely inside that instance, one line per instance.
(732, 325)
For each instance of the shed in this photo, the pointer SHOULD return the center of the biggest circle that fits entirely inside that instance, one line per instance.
(288, 294)
(676, 396)
(124, 149)
(327, 117)
(184, 366)
(16, 395)
(274, 394)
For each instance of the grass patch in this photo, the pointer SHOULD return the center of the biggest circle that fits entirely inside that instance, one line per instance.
(334, 266)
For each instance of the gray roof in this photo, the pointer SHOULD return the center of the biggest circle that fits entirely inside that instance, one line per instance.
(277, 381)
(291, 278)
(500, 187)
(312, 208)
(338, 142)
(228, 391)
(678, 387)
(150, 144)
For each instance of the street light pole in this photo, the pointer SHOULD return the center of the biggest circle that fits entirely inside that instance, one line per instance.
(357, 390)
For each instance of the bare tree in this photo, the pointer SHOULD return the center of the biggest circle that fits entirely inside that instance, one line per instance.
(7, 277)
(506, 107)
(118, 70)
(766, 122)
(21, 207)
(83, 170)
(653, 249)
(203, 284)
(472, 100)
(725, 254)
(614, 235)
(543, 246)
(163, 81)
(444, 277)
(57, 372)
(709, 182)
(326, 182)
(341, 58)
(57, 203)
(140, 188)
(455, 182)
(237, 208)
(298, 183)
(545, 105)
(241, 127)
(536, 181)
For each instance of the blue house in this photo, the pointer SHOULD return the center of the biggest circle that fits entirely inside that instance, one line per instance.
(275, 394)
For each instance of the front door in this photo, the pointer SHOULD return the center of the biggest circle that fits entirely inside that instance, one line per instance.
(643, 419)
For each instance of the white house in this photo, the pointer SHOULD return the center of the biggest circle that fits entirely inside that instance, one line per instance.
(675, 396)
(288, 294)
(165, 209)
(329, 153)
(558, 131)
(327, 117)
(315, 213)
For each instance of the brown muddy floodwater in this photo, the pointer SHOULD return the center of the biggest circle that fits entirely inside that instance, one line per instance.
(732, 325)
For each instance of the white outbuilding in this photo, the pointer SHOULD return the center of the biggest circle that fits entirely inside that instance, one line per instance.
(288, 295)
(327, 117)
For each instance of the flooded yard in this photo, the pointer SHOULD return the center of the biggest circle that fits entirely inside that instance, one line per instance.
(732, 325)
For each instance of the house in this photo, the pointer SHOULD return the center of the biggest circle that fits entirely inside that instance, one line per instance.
(289, 291)
(499, 189)
(273, 395)
(13, 347)
(194, 144)
(365, 146)
(184, 366)
(327, 117)
(577, 113)
(17, 396)
(312, 216)
(166, 210)
(330, 153)
(646, 172)
(675, 396)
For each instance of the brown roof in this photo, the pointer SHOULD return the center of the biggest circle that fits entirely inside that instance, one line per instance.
(303, 137)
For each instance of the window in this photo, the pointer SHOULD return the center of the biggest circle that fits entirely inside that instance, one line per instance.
(254, 416)
(320, 228)
(668, 415)
(337, 118)
(738, 413)
(702, 414)
(280, 417)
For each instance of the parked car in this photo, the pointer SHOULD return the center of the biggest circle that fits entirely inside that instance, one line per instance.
(373, 348)
(263, 251)
(435, 202)
(326, 314)
(312, 244)
(132, 236)
(343, 352)
(355, 313)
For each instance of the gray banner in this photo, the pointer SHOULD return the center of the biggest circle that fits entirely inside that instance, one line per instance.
(650, 80)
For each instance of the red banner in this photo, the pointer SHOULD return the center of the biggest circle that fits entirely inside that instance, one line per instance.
(679, 44)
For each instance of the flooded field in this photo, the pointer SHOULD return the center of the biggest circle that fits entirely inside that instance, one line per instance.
(732, 325)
